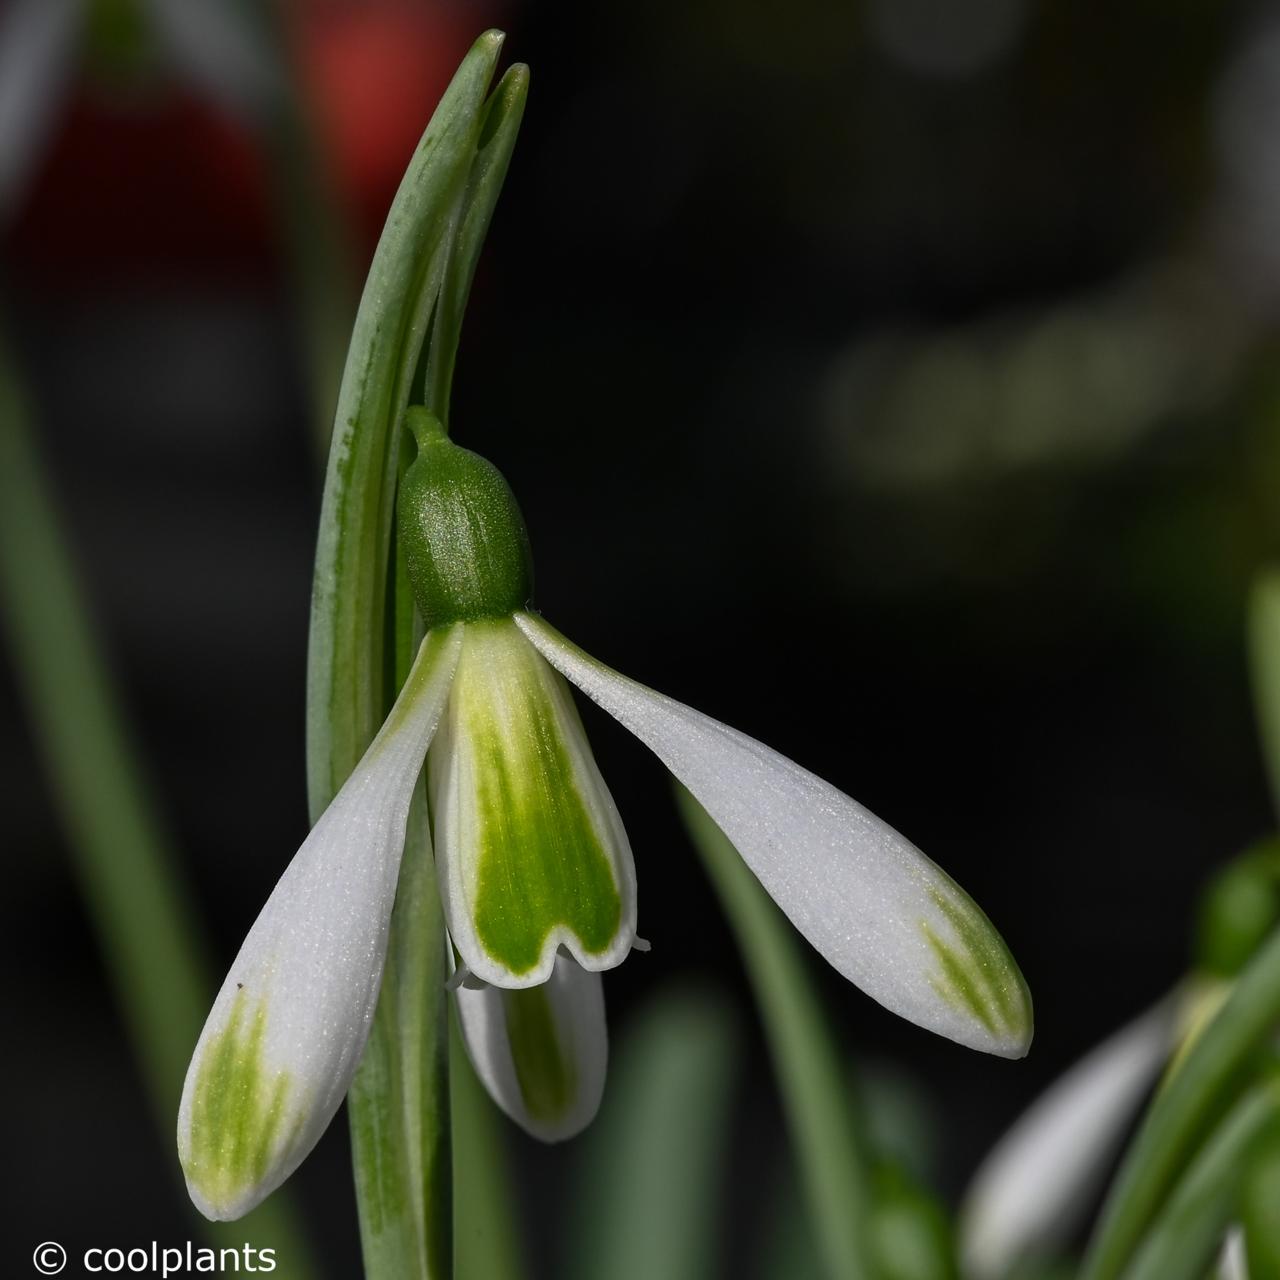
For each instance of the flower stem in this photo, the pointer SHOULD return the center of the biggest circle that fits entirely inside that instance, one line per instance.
(486, 1243)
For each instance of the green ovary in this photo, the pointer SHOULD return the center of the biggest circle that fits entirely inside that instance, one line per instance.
(237, 1109)
(978, 974)
(542, 862)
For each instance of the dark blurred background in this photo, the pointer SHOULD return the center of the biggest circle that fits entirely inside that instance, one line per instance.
(896, 381)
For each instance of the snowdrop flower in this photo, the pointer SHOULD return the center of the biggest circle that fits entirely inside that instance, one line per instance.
(1034, 1187)
(536, 874)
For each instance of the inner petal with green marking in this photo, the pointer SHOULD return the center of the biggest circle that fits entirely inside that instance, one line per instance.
(976, 972)
(532, 852)
(239, 1110)
(544, 1071)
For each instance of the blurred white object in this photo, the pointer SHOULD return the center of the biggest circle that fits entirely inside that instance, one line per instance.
(221, 50)
(1029, 1193)
(1232, 1263)
(38, 52)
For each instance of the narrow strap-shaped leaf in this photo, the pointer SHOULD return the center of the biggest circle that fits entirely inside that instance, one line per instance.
(498, 131)
(813, 1088)
(1260, 1207)
(648, 1196)
(346, 677)
(147, 930)
(363, 633)
(1186, 1109)
(1188, 1231)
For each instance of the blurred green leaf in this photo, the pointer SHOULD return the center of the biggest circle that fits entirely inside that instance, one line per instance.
(1260, 1208)
(815, 1098)
(1186, 1109)
(150, 937)
(1237, 909)
(1188, 1232)
(911, 1235)
(1264, 658)
(648, 1192)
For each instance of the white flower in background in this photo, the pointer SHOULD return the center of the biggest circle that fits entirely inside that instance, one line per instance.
(1033, 1188)
(536, 875)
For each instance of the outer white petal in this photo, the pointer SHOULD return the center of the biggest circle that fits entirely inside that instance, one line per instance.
(287, 1030)
(873, 905)
(1030, 1191)
(541, 1052)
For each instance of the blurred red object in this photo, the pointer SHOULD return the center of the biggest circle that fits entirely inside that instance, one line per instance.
(374, 71)
(156, 180)
(141, 186)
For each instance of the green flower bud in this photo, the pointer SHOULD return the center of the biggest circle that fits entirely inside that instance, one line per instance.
(910, 1234)
(461, 532)
(1238, 909)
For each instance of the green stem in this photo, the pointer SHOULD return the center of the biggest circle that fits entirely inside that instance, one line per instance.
(487, 1246)
(150, 938)
(399, 1100)
(832, 1163)
(1186, 1109)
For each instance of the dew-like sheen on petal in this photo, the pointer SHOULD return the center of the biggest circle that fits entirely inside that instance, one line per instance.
(541, 1052)
(287, 1029)
(873, 905)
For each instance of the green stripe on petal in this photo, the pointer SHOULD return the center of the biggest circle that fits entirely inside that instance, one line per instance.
(851, 884)
(976, 971)
(532, 851)
(238, 1110)
(289, 1025)
(541, 1052)
(543, 1071)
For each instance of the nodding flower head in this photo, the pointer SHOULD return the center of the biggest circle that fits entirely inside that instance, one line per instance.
(535, 870)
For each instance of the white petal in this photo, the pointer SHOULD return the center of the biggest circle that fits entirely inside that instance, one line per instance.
(541, 1052)
(287, 1030)
(1030, 1191)
(872, 904)
(531, 852)
(1233, 1263)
